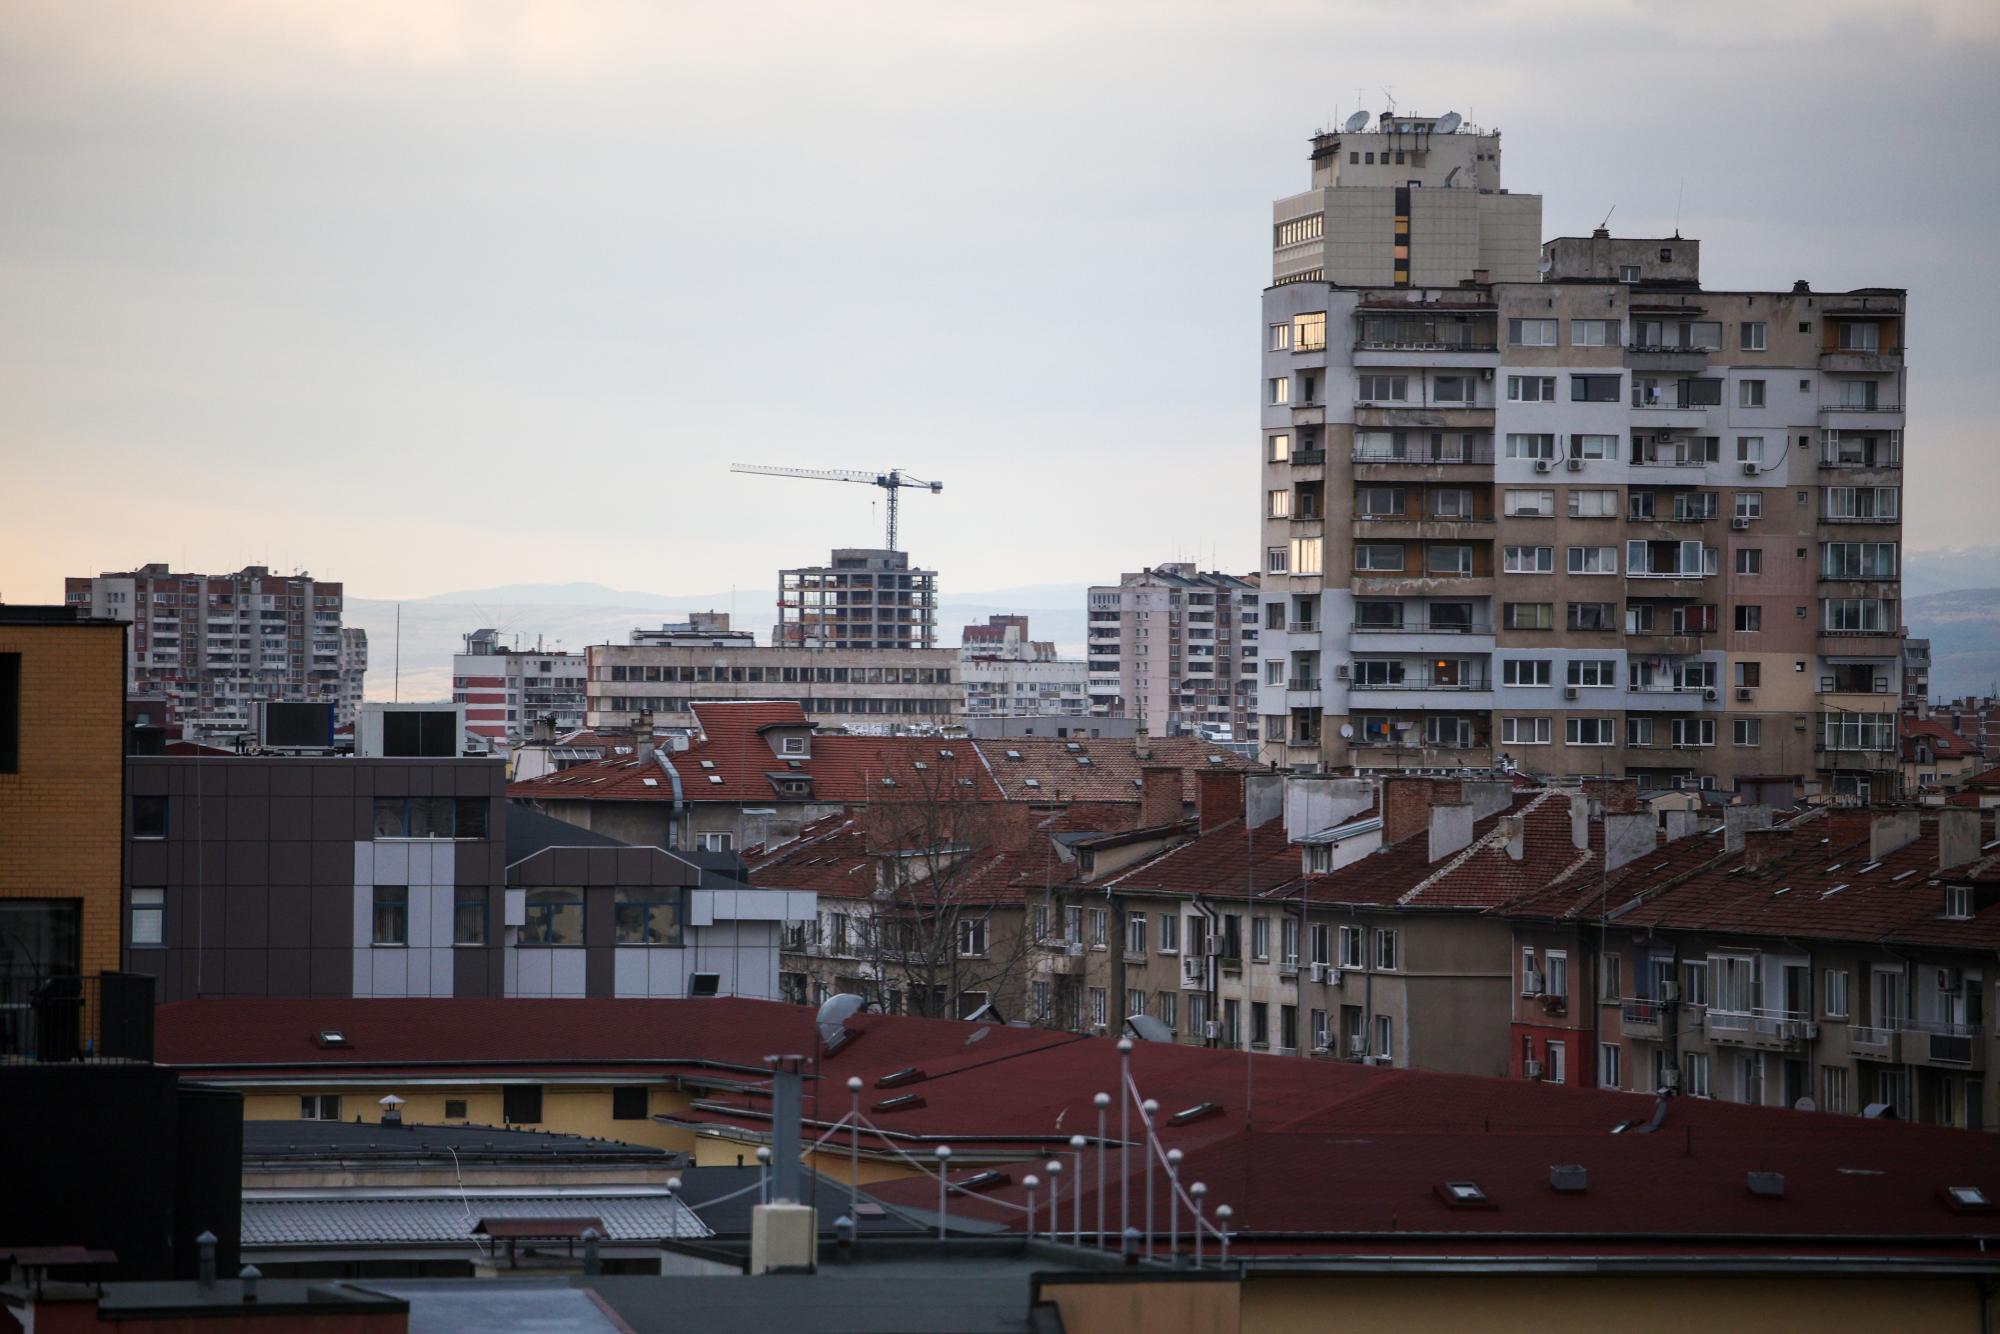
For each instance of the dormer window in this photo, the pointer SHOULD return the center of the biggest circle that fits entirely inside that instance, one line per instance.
(791, 745)
(1958, 902)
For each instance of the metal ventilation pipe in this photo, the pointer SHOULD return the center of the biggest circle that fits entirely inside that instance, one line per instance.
(786, 1101)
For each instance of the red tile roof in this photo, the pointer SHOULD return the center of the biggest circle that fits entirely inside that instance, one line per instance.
(1479, 876)
(1225, 860)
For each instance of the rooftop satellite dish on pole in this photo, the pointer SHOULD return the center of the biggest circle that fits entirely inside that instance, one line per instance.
(1448, 123)
(1356, 123)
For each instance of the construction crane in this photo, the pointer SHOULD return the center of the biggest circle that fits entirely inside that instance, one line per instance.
(892, 481)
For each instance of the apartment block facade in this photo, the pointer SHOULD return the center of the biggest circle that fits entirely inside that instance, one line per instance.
(1588, 518)
(1176, 647)
(872, 688)
(862, 598)
(1009, 674)
(214, 645)
(506, 691)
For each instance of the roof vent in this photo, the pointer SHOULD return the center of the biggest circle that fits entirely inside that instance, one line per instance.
(1464, 1195)
(715, 779)
(1769, 1185)
(902, 1102)
(1569, 1178)
(1195, 1113)
(991, 1179)
(909, 1074)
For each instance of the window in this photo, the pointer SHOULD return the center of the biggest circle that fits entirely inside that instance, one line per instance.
(1749, 674)
(1306, 555)
(1856, 337)
(1859, 560)
(1100, 928)
(1168, 1009)
(1288, 942)
(1280, 448)
(1833, 1088)
(1628, 273)
(1835, 993)
(1593, 333)
(1528, 560)
(1749, 448)
(1385, 1031)
(1593, 505)
(1529, 615)
(1530, 504)
(1277, 560)
(1593, 615)
(1524, 731)
(1749, 504)
(521, 1104)
(629, 1103)
(1451, 503)
(430, 817)
(1170, 933)
(1587, 731)
(1100, 1002)
(1260, 938)
(454, 1109)
(468, 916)
(1749, 560)
(1531, 388)
(149, 917)
(1280, 390)
(1642, 505)
(554, 917)
(1558, 1070)
(1309, 331)
(149, 817)
(1448, 560)
(1751, 336)
(1385, 949)
(1593, 560)
(1958, 903)
(1385, 388)
(1232, 1022)
(1749, 393)
(1594, 388)
(1746, 732)
(1452, 389)
(1260, 1024)
(319, 1107)
(1378, 558)
(1695, 992)
(1278, 503)
(1610, 1062)
(1042, 1000)
(1135, 933)
(1351, 946)
(1608, 985)
(1521, 446)
(1749, 617)
(1281, 338)
(10, 713)
(1594, 447)
(1524, 671)
(1694, 1078)
(1533, 333)
(391, 915)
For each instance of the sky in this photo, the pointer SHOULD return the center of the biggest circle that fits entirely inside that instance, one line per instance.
(436, 294)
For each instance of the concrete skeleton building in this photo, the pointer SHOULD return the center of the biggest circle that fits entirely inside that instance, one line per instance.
(1009, 674)
(1561, 504)
(1176, 647)
(862, 598)
(507, 690)
(216, 644)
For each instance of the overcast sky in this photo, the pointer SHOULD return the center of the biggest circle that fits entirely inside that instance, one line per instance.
(436, 294)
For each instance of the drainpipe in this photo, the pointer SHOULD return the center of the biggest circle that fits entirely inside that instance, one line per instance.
(675, 834)
(1214, 972)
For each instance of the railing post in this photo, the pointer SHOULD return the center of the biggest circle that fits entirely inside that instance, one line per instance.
(944, 1174)
(854, 1145)
(1076, 1147)
(1031, 1181)
(1148, 1110)
(1174, 1207)
(1124, 1133)
(1196, 1192)
(1103, 1104)
(1223, 1214)
(1054, 1168)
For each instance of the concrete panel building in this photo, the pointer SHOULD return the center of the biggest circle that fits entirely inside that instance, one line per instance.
(1176, 648)
(868, 689)
(507, 690)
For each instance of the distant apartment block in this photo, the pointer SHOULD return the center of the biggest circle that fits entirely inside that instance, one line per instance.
(874, 689)
(1008, 674)
(862, 598)
(1559, 504)
(215, 644)
(1176, 648)
(507, 690)
(353, 672)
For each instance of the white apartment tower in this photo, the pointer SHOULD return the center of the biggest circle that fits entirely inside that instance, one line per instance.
(1558, 505)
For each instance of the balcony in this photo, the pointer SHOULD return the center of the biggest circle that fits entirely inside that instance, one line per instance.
(1062, 958)
(1643, 1018)
(1872, 1043)
(66, 1017)
(1860, 361)
(1308, 458)
(1309, 412)
(1948, 1046)
(1667, 358)
(1380, 414)
(1765, 1030)
(1670, 698)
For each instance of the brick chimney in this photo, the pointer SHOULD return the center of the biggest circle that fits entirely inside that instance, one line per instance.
(1160, 795)
(1407, 802)
(1219, 797)
(1846, 826)
(1614, 796)
(1761, 846)
(1958, 837)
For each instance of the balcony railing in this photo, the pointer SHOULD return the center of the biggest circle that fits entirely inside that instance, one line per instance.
(67, 1017)
(1425, 628)
(1423, 681)
(1949, 1044)
(1764, 1027)
(1424, 452)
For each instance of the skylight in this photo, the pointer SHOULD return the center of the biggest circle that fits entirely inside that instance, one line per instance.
(1013, 754)
(1864, 870)
(888, 782)
(1968, 1197)
(1835, 890)
(1083, 761)
(1033, 782)
(650, 782)
(918, 764)
(708, 764)
(947, 754)
(715, 779)
(1464, 1192)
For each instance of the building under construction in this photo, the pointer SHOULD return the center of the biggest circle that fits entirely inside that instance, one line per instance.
(862, 598)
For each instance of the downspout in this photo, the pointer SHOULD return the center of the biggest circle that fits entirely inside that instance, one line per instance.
(674, 831)
(1212, 972)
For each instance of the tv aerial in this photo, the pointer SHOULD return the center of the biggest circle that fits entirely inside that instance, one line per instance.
(1448, 123)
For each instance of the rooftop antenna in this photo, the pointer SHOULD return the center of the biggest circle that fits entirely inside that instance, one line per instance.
(1607, 217)
(1448, 123)
(1390, 94)
(1680, 194)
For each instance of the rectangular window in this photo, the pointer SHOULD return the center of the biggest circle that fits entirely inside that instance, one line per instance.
(1351, 945)
(1379, 502)
(149, 917)
(1749, 393)
(319, 1107)
(645, 915)
(1384, 388)
(521, 1104)
(1378, 559)
(1280, 448)
(10, 713)
(1833, 1089)
(1260, 939)
(469, 916)
(1587, 731)
(1309, 331)
(1281, 338)
(629, 1103)
(1277, 560)
(1528, 560)
(1749, 617)
(1385, 949)
(1749, 504)
(1610, 1065)
(1524, 731)
(1385, 1030)
(454, 1109)
(1533, 333)
(1524, 671)
(391, 915)
(1593, 333)
(1530, 504)
(1857, 337)
(1593, 560)
(1306, 555)
(1168, 1008)
(1520, 446)
(149, 817)
(1099, 1003)
(1595, 447)
(1278, 503)
(1280, 390)
(554, 917)
(1531, 388)
(1835, 994)
(1749, 560)
(1694, 1078)
(1135, 932)
(1260, 1024)
(1746, 732)
(1530, 615)
(1170, 933)
(1448, 560)
(1232, 1022)
(1594, 388)
(1558, 1071)
(1452, 389)
(1751, 336)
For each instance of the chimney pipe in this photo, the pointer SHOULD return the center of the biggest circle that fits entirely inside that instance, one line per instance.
(206, 1273)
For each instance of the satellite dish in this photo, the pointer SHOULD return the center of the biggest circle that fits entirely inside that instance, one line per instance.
(1148, 1029)
(1448, 123)
(1346, 731)
(832, 1019)
(1356, 123)
(1546, 264)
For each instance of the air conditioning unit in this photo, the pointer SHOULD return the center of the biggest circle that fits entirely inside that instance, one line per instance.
(1669, 992)
(1212, 946)
(1569, 692)
(1334, 976)
(1486, 374)
(1670, 1079)
(1740, 525)
(1950, 980)
(1751, 469)
(1708, 693)
(1320, 1041)
(1575, 465)
(1212, 1029)
(1319, 972)
(1745, 694)
(1531, 983)
(1531, 1069)
(1340, 671)
(1357, 1045)
(1543, 465)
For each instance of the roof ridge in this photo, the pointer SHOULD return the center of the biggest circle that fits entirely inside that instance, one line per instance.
(1465, 855)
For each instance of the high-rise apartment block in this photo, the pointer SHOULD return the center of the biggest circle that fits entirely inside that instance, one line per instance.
(1561, 505)
(506, 691)
(863, 598)
(1176, 648)
(215, 644)
(1008, 674)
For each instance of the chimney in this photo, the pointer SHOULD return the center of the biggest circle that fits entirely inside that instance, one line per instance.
(1762, 846)
(1513, 831)
(1628, 837)
(1263, 798)
(1614, 796)
(1682, 823)
(784, 1232)
(1159, 795)
(1892, 830)
(1219, 796)
(1406, 805)
(1481, 277)
(1846, 826)
(1958, 836)
(1450, 828)
(1579, 820)
(1738, 821)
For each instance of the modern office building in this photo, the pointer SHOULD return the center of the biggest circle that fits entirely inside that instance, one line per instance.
(869, 689)
(862, 598)
(507, 690)
(1008, 674)
(1176, 647)
(216, 644)
(1561, 506)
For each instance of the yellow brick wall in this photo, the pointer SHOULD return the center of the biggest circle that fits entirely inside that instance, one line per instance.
(62, 820)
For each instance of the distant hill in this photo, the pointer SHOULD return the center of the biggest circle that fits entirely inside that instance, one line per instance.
(1948, 569)
(1963, 626)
